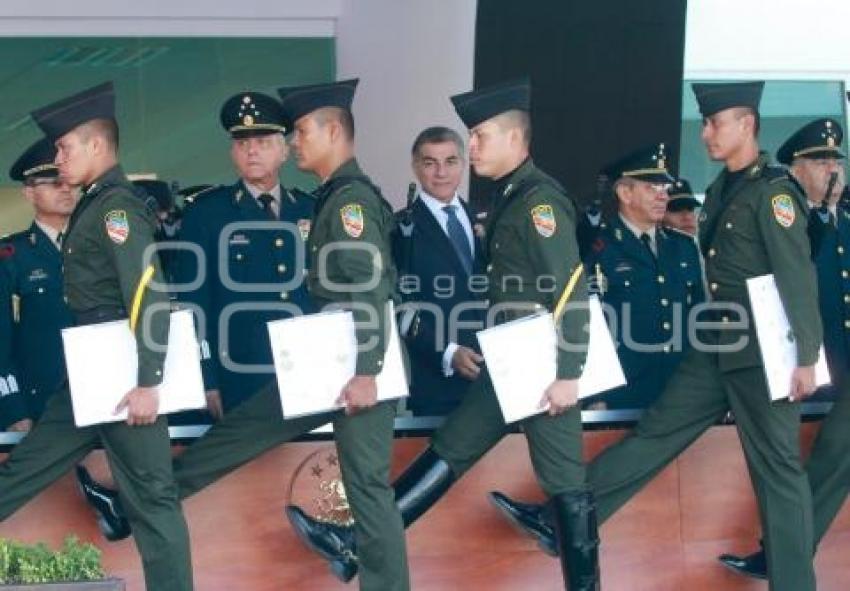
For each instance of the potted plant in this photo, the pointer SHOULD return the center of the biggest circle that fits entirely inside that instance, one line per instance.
(75, 567)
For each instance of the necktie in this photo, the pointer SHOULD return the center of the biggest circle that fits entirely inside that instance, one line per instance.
(647, 242)
(266, 201)
(458, 238)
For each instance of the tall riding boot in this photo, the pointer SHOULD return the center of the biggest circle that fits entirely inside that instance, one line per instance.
(421, 485)
(578, 539)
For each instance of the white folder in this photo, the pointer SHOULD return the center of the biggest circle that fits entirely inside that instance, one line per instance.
(521, 358)
(775, 337)
(103, 366)
(316, 355)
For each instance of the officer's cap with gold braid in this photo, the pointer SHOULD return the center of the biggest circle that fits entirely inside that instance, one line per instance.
(647, 164)
(249, 114)
(57, 119)
(35, 162)
(681, 197)
(479, 105)
(714, 97)
(298, 101)
(818, 139)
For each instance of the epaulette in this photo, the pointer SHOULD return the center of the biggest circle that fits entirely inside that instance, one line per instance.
(205, 192)
(676, 233)
(775, 174)
(299, 195)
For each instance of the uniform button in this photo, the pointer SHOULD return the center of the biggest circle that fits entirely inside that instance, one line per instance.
(284, 295)
(683, 264)
(627, 283)
(840, 249)
(380, 362)
(489, 268)
(315, 248)
(847, 324)
(845, 274)
(69, 251)
(711, 252)
(159, 372)
(239, 256)
(40, 290)
(496, 246)
(724, 319)
(661, 279)
(65, 299)
(713, 287)
(666, 348)
(666, 326)
(728, 225)
(847, 298)
(278, 242)
(281, 268)
(664, 302)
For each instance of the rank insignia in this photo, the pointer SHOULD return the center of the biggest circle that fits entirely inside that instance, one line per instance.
(544, 220)
(352, 219)
(304, 229)
(783, 210)
(117, 226)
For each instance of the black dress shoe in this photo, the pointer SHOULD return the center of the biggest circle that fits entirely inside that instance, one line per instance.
(754, 565)
(529, 518)
(334, 543)
(106, 504)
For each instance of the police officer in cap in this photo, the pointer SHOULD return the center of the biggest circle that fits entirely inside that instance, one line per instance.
(813, 154)
(754, 223)
(531, 233)
(107, 277)
(681, 214)
(33, 309)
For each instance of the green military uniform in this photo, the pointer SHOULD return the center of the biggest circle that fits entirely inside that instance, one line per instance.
(754, 227)
(105, 279)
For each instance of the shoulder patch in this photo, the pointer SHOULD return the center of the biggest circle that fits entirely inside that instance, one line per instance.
(783, 210)
(543, 218)
(117, 226)
(352, 219)
(6, 251)
(598, 245)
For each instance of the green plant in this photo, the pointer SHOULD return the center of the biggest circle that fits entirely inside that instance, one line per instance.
(75, 561)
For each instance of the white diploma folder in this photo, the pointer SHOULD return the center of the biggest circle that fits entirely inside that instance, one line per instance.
(775, 337)
(103, 366)
(521, 358)
(316, 355)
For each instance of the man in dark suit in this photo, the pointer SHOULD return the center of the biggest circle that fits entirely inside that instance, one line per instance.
(438, 255)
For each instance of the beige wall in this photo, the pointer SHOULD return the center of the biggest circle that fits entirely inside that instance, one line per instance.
(15, 212)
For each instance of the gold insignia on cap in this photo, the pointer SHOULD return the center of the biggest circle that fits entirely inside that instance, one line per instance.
(247, 120)
(246, 99)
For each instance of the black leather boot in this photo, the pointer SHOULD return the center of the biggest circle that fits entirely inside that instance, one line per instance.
(529, 518)
(578, 540)
(107, 506)
(419, 487)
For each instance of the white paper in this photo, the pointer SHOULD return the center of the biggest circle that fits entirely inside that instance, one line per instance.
(316, 355)
(775, 337)
(521, 359)
(103, 366)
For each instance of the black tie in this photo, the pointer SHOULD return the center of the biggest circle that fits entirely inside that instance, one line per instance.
(266, 201)
(647, 242)
(458, 238)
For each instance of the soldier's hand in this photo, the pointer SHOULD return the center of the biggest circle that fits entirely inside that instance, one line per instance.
(803, 383)
(467, 362)
(21, 426)
(359, 393)
(214, 406)
(560, 396)
(142, 406)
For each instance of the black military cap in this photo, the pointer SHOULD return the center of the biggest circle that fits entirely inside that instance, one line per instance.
(716, 96)
(36, 162)
(159, 190)
(477, 106)
(818, 139)
(250, 114)
(647, 164)
(58, 118)
(298, 101)
(681, 197)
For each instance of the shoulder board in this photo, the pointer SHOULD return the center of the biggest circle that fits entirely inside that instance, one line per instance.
(775, 174)
(299, 195)
(195, 197)
(676, 233)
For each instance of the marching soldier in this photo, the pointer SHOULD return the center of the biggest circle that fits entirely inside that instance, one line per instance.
(32, 274)
(813, 154)
(107, 278)
(531, 234)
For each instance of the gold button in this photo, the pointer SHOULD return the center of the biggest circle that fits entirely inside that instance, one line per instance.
(284, 295)
(711, 252)
(840, 249)
(69, 251)
(666, 326)
(239, 256)
(846, 299)
(278, 242)
(627, 283)
(40, 290)
(281, 268)
(159, 372)
(728, 225)
(713, 287)
(664, 302)
(661, 279)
